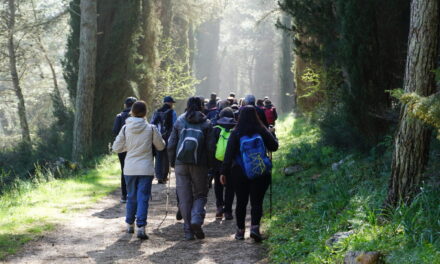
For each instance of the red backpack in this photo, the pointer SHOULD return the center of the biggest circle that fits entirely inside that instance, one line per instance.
(270, 115)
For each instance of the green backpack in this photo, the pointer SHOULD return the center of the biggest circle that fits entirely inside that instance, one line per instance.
(222, 143)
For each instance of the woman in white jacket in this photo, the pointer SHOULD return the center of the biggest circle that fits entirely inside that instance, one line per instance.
(138, 137)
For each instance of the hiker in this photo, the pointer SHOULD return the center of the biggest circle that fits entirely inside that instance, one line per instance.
(189, 156)
(232, 98)
(163, 118)
(260, 103)
(250, 100)
(218, 141)
(212, 102)
(250, 176)
(117, 125)
(138, 138)
(271, 112)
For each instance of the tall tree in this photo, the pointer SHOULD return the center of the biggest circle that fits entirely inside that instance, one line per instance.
(413, 138)
(82, 134)
(14, 72)
(286, 75)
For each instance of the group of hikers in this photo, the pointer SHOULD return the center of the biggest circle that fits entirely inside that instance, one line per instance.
(229, 141)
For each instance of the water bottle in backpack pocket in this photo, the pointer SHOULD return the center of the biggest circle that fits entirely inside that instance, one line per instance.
(253, 156)
(189, 147)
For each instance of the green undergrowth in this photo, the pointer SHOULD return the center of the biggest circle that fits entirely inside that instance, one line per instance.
(33, 208)
(314, 204)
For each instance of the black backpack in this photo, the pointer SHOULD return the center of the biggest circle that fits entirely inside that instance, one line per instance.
(159, 121)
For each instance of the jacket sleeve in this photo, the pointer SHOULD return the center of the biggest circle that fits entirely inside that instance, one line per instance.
(275, 113)
(158, 141)
(210, 151)
(270, 141)
(231, 153)
(119, 144)
(212, 140)
(117, 125)
(172, 144)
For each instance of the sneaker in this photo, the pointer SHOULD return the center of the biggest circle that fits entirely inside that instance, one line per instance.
(123, 200)
(239, 235)
(228, 216)
(179, 215)
(141, 233)
(198, 231)
(189, 236)
(161, 181)
(130, 228)
(219, 213)
(255, 234)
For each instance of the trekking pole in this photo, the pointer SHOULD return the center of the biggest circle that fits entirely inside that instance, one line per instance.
(167, 200)
(270, 190)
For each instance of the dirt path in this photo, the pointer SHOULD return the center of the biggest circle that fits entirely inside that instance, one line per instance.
(98, 236)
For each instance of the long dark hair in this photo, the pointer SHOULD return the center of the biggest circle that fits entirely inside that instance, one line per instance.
(248, 121)
(193, 105)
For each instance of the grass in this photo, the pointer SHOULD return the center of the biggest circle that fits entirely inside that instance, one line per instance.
(35, 208)
(312, 205)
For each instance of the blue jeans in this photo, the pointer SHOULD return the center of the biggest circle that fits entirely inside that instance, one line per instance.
(162, 165)
(138, 197)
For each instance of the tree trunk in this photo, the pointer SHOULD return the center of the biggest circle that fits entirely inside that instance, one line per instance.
(413, 138)
(287, 100)
(14, 75)
(82, 133)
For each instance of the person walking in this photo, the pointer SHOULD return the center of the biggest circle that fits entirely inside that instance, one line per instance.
(137, 138)
(250, 100)
(189, 155)
(271, 112)
(163, 118)
(246, 164)
(117, 125)
(218, 140)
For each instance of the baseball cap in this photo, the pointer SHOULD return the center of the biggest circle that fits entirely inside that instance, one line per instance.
(168, 99)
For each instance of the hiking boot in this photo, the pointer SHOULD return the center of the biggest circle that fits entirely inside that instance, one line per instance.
(188, 236)
(141, 233)
(219, 213)
(198, 231)
(239, 235)
(179, 215)
(130, 228)
(161, 181)
(255, 233)
(228, 216)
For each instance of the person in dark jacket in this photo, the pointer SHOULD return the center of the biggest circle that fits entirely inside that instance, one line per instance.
(250, 100)
(117, 126)
(224, 195)
(190, 157)
(248, 124)
(163, 118)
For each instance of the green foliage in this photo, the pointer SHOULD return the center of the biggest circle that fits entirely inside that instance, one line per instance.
(318, 202)
(354, 49)
(174, 78)
(35, 207)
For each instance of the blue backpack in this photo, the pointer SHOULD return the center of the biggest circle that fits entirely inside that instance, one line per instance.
(253, 157)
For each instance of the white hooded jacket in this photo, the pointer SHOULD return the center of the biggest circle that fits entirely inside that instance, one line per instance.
(137, 138)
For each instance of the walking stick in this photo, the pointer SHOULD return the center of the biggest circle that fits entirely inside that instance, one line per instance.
(270, 190)
(167, 200)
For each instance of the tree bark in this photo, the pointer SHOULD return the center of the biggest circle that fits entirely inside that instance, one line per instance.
(14, 75)
(82, 134)
(287, 84)
(413, 138)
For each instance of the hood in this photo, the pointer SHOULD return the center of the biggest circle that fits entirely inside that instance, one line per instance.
(136, 124)
(226, 122)
(197, 118)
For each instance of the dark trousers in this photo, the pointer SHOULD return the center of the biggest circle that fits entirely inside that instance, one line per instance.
(245, 189)
(224, 195)
(162, 165)
(123, 185)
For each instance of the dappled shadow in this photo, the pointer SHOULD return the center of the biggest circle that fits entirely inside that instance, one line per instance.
(112, 253)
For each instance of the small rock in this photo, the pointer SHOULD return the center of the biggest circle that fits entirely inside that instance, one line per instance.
(292, 170)
(338, 237)
(361, 257)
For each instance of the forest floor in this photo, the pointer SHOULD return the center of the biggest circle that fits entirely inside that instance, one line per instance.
(97, 235)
